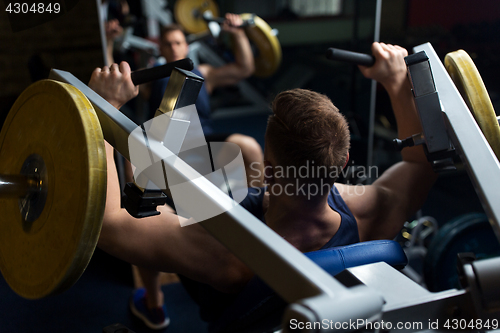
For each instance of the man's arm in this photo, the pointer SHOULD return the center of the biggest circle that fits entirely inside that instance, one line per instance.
(161, 244)
(241, 68)
(158, 242)
(383, 207)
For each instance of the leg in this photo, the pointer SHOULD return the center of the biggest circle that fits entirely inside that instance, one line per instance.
(147, 303)
(252, 157)
(150, 308)
(151, 282)
(150, 278)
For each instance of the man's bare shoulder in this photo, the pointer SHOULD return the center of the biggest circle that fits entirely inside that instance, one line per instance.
(361, 200)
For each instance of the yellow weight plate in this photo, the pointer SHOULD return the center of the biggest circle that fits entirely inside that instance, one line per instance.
(188, 13)
(261, 35)
(466, 77)
(55, 122)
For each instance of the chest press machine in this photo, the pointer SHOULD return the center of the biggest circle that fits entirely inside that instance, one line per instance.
(377, 293)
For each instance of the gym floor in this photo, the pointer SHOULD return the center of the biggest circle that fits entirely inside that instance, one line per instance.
(99, 299)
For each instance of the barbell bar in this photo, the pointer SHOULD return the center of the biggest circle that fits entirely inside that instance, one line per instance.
(19, 186)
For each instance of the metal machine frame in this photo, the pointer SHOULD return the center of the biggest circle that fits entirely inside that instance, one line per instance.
(379, 292)
(466, 136)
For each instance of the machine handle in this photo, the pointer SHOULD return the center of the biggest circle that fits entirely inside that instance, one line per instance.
(207, 16)
(159, 72)
(349, 56)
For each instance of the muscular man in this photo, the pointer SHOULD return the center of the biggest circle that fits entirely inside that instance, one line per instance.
(305, 127)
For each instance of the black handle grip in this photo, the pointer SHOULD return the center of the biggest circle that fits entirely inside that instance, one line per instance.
(349, 56)
(156, 73)
(246, 23)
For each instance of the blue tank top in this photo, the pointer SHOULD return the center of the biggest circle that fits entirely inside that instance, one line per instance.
(202, 103)
(345, 235)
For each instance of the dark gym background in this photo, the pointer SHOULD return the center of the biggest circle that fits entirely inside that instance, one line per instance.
(72, 42)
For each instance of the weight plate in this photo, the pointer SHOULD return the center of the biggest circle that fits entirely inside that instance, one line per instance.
(466, 77)
(188, 13)
(466, 233)
(52, 123)
(268, 58)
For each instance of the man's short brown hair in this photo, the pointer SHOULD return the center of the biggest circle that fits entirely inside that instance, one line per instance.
(169, 28)
(306, 129)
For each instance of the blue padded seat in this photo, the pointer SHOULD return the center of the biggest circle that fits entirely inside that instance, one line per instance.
(258, 309)
(336, 259)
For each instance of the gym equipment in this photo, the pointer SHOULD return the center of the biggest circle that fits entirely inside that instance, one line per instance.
(350, 56)
(141, 201)
(468, 81)
(303, 278)
(53, 170)
(195, 15)
(437, 98)
(434, 137)
(258, 309)
(449, 126)
(470, 85)
(406, 301)
(314, 298)
(467, 233)
(414, 238)
(377, 294)
(268, 56)
(436, 146)
(189, 14)
(159, 72)
(129, 41)
(53, 159)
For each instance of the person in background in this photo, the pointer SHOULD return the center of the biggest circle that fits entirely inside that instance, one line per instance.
(173, 47)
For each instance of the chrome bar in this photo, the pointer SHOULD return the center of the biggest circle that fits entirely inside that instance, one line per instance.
(17, 186)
